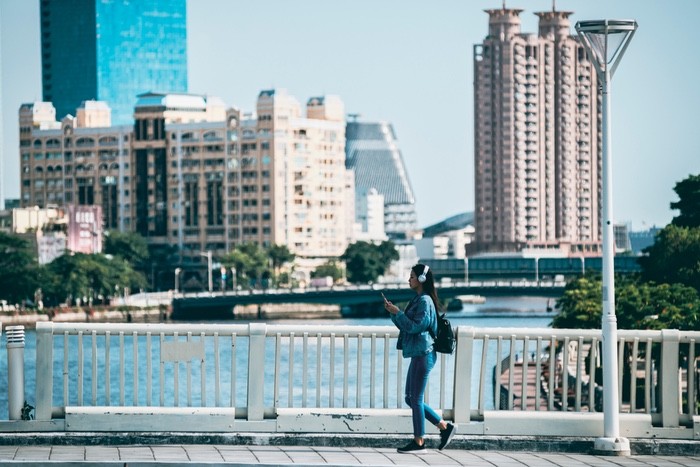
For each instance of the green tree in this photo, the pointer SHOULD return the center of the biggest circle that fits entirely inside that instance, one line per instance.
(580, 305)
(365, 262)
(163, 259)
(19, 270)
(329, 268)
(638, 305)
(156, 263)
(674, 257)
(646, 305)
(250, 261)
(121, 274)
(130, 246)
(73, 276)
(665, 295)
(688, 191)
(279, 255)
(68, 278)
(388, 253)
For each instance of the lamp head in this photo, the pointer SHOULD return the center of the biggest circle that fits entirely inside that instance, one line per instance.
(605, 42)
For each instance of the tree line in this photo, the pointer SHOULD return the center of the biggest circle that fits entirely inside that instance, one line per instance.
(665, 295)
(130, 264)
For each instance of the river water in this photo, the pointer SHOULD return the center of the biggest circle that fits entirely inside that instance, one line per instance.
(529, 312)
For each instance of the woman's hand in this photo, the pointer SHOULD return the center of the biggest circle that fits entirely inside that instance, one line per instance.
(390, 307)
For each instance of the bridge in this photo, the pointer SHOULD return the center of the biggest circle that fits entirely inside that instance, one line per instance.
(363, 300)
(289, 380)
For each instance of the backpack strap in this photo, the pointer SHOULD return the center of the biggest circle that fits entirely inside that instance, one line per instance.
(430, 329)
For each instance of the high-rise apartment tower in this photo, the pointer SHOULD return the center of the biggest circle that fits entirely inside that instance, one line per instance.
(537, 139)
(111, 50)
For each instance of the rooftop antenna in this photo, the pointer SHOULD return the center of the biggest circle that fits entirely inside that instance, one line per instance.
(554, 6)
(354, 117)
(504, 5)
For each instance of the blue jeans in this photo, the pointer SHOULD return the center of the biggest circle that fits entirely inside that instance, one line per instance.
(416, 380)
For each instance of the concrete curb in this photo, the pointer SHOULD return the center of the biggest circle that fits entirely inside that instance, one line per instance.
(580, 445)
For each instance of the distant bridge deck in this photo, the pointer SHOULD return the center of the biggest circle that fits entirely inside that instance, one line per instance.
(360, 300)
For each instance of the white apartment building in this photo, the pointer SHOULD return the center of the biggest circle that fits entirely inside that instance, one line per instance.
(537, 140)
(369, 213)
(45, 230)
(51, 231)
(308, 166)
(194, 174)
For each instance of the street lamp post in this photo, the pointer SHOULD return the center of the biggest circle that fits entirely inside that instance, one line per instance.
(605, 42)
(208, 256)
(177, 279)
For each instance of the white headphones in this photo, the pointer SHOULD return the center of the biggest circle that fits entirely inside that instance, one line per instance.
(423, 277)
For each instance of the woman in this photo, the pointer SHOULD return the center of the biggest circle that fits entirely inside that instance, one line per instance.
(416, 325)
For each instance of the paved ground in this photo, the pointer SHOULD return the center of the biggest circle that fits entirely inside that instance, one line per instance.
(304, 449)
(212, 455)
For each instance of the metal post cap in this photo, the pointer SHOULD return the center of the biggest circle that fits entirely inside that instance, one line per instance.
(15, 335)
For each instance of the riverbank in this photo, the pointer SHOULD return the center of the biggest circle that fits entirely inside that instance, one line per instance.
(287, 311)
(86, 315)
(162, 313)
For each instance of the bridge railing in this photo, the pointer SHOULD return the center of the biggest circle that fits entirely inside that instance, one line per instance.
(159, 297)
(258, 377)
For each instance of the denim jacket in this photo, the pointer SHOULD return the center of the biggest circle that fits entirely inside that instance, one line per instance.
(413, 324)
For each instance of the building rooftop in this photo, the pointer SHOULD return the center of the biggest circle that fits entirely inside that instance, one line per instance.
(456, 222)
(172, 101)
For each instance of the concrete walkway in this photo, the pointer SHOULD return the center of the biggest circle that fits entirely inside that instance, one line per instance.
(306, 449)
(212, 455)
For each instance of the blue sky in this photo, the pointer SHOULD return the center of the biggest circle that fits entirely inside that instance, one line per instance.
(410, 62)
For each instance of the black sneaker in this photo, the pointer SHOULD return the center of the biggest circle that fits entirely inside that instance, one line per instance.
(412, 448)
(446, 435)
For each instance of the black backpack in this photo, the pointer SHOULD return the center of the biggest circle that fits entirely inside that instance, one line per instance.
(444, 341)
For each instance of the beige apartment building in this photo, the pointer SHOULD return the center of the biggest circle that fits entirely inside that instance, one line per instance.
(195, 174)
(537, 140)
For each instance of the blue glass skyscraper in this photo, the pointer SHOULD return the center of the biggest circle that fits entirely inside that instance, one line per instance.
(112, 50)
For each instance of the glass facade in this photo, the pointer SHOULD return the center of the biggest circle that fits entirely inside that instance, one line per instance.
(371, 151)
(68, 53)
(112, 50)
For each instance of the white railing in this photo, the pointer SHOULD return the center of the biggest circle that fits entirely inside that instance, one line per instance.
(284, 378)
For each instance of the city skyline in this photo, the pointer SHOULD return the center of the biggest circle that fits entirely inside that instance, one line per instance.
(112, 52)
(411, 64)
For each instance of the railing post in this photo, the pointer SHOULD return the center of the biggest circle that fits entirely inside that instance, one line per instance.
(462, 393)
(668, 378)
(44, 370)
(15, 371)
(256, 371)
